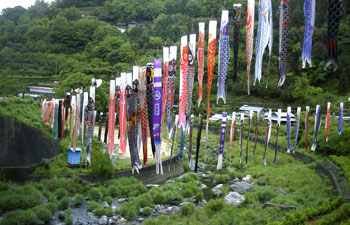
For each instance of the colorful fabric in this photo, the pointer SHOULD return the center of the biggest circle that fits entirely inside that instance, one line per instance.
(190, 78)
(249, 37)
(190, 138)
(289, 124)
(199, 134)
(157, 112)
(143, 111)
(171, 89)
(340, 119)
(224, 56)
(222, 140)
(256, 130)
(248, 138)
(72, 119)
(89, 117)
(165, 82)
(149, 82)
(241, 138)
(317, 127)
(200, 58)
(83, 127)
(183, 82)
(270, 42)
(111, 122)
(122, 114)
(328, 119)
(278, 132)
(100, 127)
(297, 124)
(283, 42)
(237, 11)
(309, 11)
(262, 36)
(334, 14)
(77, 120)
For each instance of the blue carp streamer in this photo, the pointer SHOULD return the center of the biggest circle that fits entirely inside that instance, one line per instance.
(309, 11)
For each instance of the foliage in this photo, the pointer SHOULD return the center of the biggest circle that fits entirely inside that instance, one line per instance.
(146, 211)
(108, 199)
(187, 209)
(92, 205)
(337, 216)
(68, 220)
(100, 211)
(60, 193)
(95, 194)
(19, 217)
(78, 200)
(64, 203)
(43, 213)
(344, 163)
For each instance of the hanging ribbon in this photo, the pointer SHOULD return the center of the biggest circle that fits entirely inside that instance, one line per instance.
(89, 118)
(309, 11)
(211, 63)
(149, 81)
(165, 82)
(122, 114)
(190, 139)
(131, 109)
(55, 126)
(224, 56)
(307, 116)
(157, 113)
(249, 37)
(183, 83)
(222, 140)
(83, 127)
(174, 137)
(283, 43)
(270, 42)
(328, 119)
(262, 36)
(200, 59)
(171, 89)
(111, 111)
(340, 119)
(232, 132)
(317, 127)
(289, 124)
(278, 132)
(143, 111)
(237, 11)
(77, 119)
(268, 134)
(100, 127)
(334, 14)
(71, 118)
(297, 123)
(190, 78)
(256, 130)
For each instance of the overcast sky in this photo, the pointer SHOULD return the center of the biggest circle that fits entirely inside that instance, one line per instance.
(12, 3)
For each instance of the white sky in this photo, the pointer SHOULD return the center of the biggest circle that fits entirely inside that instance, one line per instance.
(12, 3)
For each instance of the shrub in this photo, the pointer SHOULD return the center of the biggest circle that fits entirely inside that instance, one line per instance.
(187, 209)
(100, 211)
(146, 211)
(52, 207)
(187, 193)
(95, 194)
(129, 211)
(199, 196)
(68, 220)
(19, 217)
(60, 193)
(221, 178)
(42, 212)
(144, 200)
(101, 164)
(109, 199)
(173, 196)
(9, 202)
(93, 205)
(186, 167)
(113, 190)
(214, 205)
(159, 197)
(78, 199)
(64, 203)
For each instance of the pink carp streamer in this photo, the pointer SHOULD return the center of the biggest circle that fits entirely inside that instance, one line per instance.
(200, 59)
(111, 120)
(183, 82)
(143, 111)
(165, 82)
(232, 132)
(328, 119)
(122, 114)
(249, 37)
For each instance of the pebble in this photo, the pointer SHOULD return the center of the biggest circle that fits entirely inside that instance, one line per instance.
(103, 220)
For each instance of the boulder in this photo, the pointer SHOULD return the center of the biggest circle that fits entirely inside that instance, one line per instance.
(241, 187)
(103, 220)
(246, 178)
(216, 191)
(234, 198)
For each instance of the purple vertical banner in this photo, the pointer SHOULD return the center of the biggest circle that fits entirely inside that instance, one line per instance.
(222, 140)
(157, 111)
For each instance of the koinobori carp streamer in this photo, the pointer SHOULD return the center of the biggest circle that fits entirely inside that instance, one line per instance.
(309, 11)
(224, 56)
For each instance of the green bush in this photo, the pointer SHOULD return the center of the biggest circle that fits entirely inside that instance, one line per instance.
(129, 211)
(109, 199)
(187, 209)
(144, 200)
(9, 202)
(93, 205)
(186, 166)
(101, 164)
(100, 211)
(60, 193)
(78, 200)
(68, 220)
(64, 203)
(159, 197)
(95, 194)
(199, 196)
(173, 196)
(42, 212)
(19, 217)
(214, 206)
(52, 207)
(113, 190)
(146, 211)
